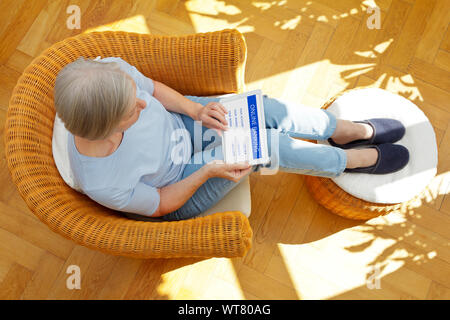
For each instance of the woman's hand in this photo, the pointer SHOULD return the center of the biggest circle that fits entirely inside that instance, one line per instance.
(233, 172)
(213, 116)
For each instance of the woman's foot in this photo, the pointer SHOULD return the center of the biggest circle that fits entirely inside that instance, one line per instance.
(357, 158)
(351, 134)
(348, 131)
(390, 158)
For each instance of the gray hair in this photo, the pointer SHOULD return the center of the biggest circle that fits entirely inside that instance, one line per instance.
(92, 97)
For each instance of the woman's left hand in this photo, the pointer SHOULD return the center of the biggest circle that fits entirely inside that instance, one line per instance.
(213, 116)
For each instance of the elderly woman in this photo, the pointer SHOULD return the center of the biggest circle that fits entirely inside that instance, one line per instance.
(122, 149)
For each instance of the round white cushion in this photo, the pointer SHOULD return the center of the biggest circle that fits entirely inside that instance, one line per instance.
(61, 153)
(419, 138)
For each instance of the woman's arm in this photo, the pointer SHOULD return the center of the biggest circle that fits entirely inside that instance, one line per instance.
(173, 196)
(175, 101)
(212, 115)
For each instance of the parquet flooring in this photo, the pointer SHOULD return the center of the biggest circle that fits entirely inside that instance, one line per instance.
(302, 50)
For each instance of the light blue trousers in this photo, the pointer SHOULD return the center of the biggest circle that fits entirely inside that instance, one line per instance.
(284, 122)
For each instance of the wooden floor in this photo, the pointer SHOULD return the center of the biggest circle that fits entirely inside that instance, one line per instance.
(297, 49)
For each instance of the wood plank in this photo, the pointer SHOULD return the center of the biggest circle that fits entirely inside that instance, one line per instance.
(15, 282)
(146, 279)
(178, 279)
(346, 6)
(442, 60)
(431, 268)
(410, 36)
(367, 245)
(5, 265)
(22, 22)
(408, 86)
(166, 24)
(430, 73)
(416, 230)
(288, 271)
(7, 188)
(300, 218)
(444, 153)
(7, 83)
(38, 31)
(433, 220)
(345, 263)
(438, 117)
(264, 57)
(261, 199)
(95, 276)
(274, 222)
(322, 225)
(434, 193)
(286, 60)
(91, 13)
(313, 12)
(291, 16)
(9, 10)
(438, 292)
(335, 54)
(39, 286)
(219, 289)
(34, 231)
(399, 281)
(80, 257)
(445, 207)
(445, 44)
(166, 6)
(195, 283)
(387, 292)
(18, 250)
(434, 32)
(264, 287)
(120, 279)
(18, 61)
(309, 62)
(390, 33)
(363, 52)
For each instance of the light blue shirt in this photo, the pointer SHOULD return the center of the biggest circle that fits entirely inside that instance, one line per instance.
(127, 180)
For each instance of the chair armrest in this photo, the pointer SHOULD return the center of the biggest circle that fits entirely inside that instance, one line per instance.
(198, 64)
(224, 234)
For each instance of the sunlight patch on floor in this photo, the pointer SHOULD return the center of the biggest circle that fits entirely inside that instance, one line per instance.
(339, 263)
(133, 24)
(213, 278)
(207, 16)
(295, 83)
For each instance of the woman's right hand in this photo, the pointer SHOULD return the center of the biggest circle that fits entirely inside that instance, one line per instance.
(233, 172)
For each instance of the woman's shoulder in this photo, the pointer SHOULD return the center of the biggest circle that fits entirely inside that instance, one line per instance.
(98, 150)
(141, 80)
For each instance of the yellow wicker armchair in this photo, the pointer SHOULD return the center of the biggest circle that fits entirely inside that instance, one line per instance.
(198, 64)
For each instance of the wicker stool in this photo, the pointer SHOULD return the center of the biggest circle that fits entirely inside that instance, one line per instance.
(327, 193)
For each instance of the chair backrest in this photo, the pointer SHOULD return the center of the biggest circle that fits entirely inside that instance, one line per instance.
(200, 64)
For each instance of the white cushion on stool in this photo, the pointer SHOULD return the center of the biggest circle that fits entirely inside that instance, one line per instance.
(419, 138)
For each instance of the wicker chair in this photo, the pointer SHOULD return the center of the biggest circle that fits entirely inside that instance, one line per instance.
(199, 64)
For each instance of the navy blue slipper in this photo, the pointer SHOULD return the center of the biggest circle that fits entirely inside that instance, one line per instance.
(391, 158)
(385, 130)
